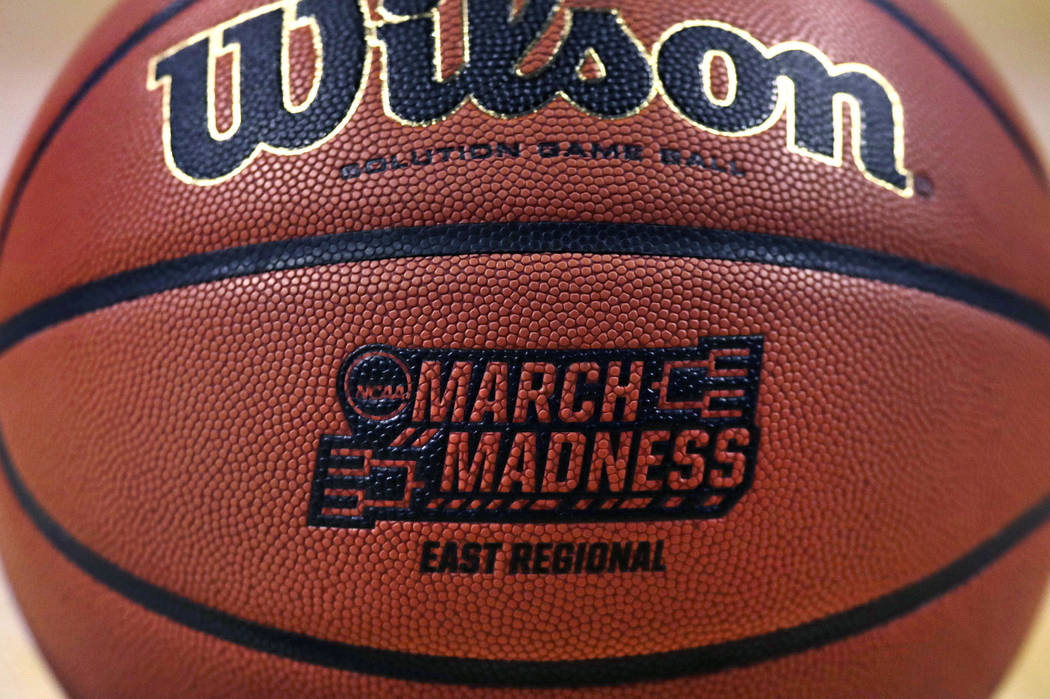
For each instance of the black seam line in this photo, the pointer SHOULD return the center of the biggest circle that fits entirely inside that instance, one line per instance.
(523, 238)
(1028, 151)
(123, 49)
(175, 8)
(519, 673)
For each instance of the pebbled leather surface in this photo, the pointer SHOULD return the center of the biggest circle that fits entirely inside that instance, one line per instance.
(122, 209)
(164, 409)
(201, 446)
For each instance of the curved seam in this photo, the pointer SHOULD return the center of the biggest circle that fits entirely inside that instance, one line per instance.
(134, 39)
(523, 238)
(1028, 150)
(175, 8)
(695, 661)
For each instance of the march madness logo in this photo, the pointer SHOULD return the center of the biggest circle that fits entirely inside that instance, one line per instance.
(540, 435)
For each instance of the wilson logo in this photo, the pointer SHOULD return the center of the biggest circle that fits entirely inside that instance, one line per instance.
(539, 436)
(599, 66)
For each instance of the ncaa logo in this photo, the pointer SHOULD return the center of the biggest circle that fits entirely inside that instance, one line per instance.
(374, 384)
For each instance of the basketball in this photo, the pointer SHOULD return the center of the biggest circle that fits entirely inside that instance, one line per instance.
(501, 347)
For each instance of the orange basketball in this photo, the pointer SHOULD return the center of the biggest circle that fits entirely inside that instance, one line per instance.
(470, 348)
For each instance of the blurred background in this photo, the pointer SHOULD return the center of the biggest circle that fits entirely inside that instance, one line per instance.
(37, 36)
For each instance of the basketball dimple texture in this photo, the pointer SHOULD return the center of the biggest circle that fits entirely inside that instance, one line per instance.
(658, 349)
